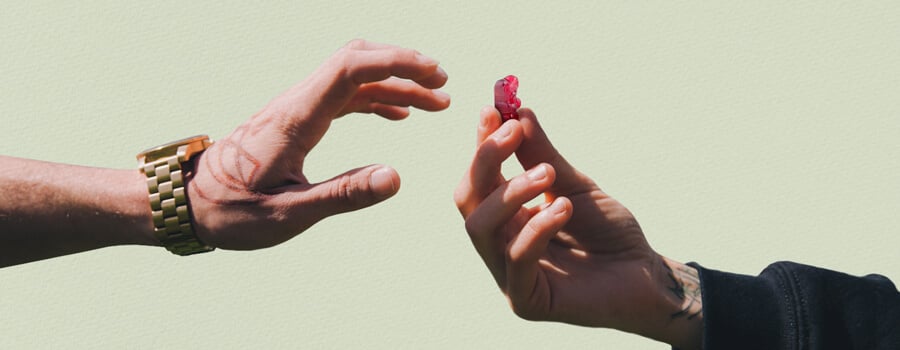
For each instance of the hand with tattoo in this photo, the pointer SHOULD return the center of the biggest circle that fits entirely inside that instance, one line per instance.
(580, 257)
(249, 191)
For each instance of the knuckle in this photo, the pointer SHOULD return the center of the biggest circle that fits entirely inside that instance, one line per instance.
(519, 183)
(513, 259)
(516, 258)
(342, 53)
(352, 67)
(341, 187)
(279, 216)
(355, 44)
(404, 55)
(486, 151)
(518, 191)
(461, 198)
(345, 62)
(406, 88)
(347, 191)
(524, 311)
(471, 226)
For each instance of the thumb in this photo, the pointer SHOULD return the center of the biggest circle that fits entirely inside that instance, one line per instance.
(352, 190)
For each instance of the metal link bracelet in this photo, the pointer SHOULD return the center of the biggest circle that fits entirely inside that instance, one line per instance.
(172, 219)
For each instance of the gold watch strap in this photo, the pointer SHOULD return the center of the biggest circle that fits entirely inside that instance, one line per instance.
(169, 204)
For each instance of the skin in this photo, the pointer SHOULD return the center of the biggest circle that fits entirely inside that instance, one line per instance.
(579, 258)
(248, 190)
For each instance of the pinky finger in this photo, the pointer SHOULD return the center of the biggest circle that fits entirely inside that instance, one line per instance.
(530, 244)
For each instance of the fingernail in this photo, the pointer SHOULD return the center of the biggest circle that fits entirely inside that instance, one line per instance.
(382, 182)
(486, 110)
(502, 133)
(557, 207)
(428, 61)
(441, 95)
(538, 173)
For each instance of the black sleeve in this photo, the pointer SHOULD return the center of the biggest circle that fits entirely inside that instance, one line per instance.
(794, 306)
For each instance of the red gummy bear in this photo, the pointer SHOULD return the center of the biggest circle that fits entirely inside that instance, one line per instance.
(505, 99)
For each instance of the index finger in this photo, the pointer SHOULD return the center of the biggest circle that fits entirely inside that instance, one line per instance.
(489, 121)
(361, 62)
(328, 90)
(484, 174)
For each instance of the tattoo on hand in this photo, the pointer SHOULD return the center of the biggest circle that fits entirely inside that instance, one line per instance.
(233, 167)
(685, 285)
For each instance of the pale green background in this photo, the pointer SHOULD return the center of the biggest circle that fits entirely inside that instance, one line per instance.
(739, 135)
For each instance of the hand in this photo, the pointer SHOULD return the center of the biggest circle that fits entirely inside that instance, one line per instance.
(248, 189)
(580, 257)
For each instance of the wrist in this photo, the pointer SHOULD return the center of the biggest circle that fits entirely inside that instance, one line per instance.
(132, 208)
(166, 169)
(666, 305)
(200, 206)
(678, 316)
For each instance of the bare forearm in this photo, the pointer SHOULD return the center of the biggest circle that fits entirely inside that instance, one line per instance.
(49, 209)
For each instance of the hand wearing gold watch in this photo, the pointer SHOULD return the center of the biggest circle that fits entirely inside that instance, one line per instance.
(246, 191)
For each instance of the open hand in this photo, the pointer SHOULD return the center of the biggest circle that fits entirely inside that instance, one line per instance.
(248, 190)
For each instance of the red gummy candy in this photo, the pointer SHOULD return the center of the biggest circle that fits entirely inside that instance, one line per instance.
(505, 99)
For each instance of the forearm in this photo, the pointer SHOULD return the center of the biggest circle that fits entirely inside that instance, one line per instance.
(49, 209)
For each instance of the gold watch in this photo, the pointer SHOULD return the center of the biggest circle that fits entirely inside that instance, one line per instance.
(172, 220)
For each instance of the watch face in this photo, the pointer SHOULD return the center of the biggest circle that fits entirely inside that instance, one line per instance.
(194, 143)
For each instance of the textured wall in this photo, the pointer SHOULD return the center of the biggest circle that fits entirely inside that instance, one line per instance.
(738, 134)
